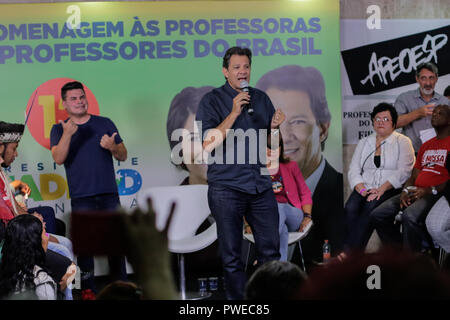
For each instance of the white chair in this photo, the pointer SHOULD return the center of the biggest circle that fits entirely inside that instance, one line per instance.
(294, 238)
(191, 211)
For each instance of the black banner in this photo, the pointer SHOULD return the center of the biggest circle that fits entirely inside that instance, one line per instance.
(390, 64)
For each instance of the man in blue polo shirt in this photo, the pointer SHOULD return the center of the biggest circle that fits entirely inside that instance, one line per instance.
(237, 187)
(84, 143)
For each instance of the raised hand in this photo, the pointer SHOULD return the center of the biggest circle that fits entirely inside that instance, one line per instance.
(148, 252)
(69, 127)
(427, 110)
(107, 142)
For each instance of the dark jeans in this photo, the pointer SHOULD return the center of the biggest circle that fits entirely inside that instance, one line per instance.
(261, 212)
(117, 266)
(357, 212)
(413, 221)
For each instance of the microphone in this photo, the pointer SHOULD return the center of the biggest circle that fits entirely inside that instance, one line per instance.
(362, 168)
(244, 87)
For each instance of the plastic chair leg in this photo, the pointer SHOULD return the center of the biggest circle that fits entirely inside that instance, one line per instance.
(188, 295)
(182, 276)
(442, 257)
(301, 255)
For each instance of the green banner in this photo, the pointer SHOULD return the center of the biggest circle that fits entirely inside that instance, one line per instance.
(134, 58)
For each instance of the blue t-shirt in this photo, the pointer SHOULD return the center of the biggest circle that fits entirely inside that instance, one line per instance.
(89, 167)
(239, 175)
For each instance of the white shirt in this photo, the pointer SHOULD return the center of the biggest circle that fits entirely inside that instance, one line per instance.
(396, 162)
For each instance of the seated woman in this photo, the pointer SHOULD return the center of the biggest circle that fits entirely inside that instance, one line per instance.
(23, 260)
(380, 165)
(292, 194)
(57, 264)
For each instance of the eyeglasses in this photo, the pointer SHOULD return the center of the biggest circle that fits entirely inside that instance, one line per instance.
(384, 119)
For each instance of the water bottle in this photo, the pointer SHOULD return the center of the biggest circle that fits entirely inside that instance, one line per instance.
(202, 283)
(326, 251)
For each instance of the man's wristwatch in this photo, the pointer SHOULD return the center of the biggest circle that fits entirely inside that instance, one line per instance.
(434, 190)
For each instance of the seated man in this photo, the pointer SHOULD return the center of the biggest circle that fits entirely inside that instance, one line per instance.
(425, 186)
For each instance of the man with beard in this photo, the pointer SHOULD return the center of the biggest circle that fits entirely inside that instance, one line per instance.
(415, 107)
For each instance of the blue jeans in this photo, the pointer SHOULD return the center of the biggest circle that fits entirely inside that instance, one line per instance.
(64, 247)
(290, 220)
(229, 207)
(117, 266)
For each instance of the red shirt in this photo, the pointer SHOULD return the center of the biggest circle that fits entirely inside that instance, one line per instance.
(431, 160)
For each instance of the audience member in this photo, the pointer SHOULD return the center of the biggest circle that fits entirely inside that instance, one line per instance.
(424, 187)
(275, 280)
(21, 192)
(381, 164)
(120, 290)
(23, 259)
(57, 243)
(2, 236)
(291, 192)
(10, 135)
(416, 106)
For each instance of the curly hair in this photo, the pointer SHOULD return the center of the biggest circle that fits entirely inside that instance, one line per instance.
(22, 250)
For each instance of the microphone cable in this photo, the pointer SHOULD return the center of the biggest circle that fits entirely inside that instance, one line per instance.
(362, 167)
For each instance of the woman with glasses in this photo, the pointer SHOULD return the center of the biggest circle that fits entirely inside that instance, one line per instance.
(380, 165)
